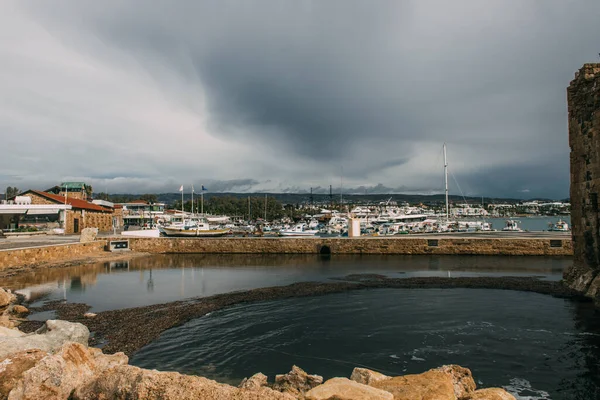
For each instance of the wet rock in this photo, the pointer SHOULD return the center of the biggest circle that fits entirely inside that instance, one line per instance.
(593, 290)
(50, 337)
(462, 379)
(13, 367)
(18, 309)
(429, 385)
(6, 297)
(255, 382)
(296, 382)
(89, 315)
(366, 376)
(57, 376)
(88, 235)
(132, 383)
(345, 389)
(490, 394)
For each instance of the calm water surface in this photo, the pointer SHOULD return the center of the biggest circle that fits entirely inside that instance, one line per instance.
(164, 278)
(536, 346)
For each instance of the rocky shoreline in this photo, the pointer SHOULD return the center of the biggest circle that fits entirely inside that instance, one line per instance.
(55, 362)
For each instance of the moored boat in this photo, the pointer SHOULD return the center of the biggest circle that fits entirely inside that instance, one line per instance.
(194, 228)
(559, 226)
(512, 226)
(298, 230)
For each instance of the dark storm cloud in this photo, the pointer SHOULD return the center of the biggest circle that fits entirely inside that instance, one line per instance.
(375, 87)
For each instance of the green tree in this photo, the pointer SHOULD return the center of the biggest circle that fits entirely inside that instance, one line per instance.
(102, 196)
(150, 198)
(12, 192)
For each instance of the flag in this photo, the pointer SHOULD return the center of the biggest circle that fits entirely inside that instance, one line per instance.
(203, 188)
(181, 188)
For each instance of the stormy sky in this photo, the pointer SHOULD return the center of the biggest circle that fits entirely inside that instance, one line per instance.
(139, 96)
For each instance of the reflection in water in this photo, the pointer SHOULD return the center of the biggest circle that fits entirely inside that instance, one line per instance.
(174, 277)
(150, 284)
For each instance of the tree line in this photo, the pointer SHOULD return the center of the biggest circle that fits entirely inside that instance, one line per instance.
(247, 208)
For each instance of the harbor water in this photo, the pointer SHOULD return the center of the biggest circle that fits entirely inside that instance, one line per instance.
(536, 346)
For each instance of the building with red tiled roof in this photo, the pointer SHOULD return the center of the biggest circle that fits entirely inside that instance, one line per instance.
(82, 214)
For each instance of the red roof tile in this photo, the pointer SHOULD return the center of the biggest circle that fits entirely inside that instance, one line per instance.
(75, 203)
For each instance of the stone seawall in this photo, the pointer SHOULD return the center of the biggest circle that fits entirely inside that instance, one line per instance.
(30, 256)
(371, 245)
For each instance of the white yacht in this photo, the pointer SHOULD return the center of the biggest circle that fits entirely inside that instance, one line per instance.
(196, 227)
(512, 226)
(559, 226)
(298, 230)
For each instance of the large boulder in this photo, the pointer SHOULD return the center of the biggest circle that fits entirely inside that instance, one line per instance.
(462, 379)
(296, 382)
(13, 367)
(19, 310)
(367, 376)
(50, 338)
(449, 382)
(6, 298)
(56, 376)
(126, 382)
(88, 235)
(491, 394)
(345, 389)
(255, 382)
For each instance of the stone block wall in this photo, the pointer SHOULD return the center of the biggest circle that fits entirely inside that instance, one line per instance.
(44, 254)
(583, 98)
(39, 200)
(465, 246)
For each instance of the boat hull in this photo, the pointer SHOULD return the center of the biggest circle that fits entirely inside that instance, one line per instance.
(195, 232)
(292, 233)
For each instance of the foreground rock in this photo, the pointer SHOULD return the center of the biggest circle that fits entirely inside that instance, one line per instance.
(57, 376)
(126, 382)
(50, 338)
(366, 376)
(13, 367)
(296, 382)
(491, 394)
(345, 389)
(6, 298)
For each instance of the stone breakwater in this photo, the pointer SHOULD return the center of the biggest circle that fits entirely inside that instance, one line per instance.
(442, 245)
(55, 362)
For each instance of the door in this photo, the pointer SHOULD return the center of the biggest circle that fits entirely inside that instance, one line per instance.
(75, 225)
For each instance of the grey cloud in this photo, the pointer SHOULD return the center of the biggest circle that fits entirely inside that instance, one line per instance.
(367, 85)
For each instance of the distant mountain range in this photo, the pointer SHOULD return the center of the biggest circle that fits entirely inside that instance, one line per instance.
(299, 198)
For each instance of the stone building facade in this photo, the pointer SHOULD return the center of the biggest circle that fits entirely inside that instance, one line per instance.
(583, 98)
(82, 215)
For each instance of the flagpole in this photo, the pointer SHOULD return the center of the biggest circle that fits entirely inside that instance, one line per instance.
(202, 200)
(192, 199)
(182, 214)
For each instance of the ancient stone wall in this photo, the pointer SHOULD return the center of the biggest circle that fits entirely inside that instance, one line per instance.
(583, 98)
(44, 254)
(474, 246)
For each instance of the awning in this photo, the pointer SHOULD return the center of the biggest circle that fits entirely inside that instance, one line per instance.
(47, 211)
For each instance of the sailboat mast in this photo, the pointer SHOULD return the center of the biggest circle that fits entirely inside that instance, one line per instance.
(446, 179)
